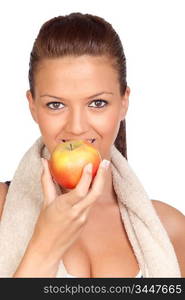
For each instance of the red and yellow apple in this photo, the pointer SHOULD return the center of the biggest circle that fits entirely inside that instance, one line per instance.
(68, 160)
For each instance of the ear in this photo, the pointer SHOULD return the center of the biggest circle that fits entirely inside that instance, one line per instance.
(125, 103)
(32, 105)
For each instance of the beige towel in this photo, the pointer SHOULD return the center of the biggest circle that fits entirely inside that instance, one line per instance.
(151, 245)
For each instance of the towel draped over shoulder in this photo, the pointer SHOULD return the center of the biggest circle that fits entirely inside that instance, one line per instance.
(150, 242)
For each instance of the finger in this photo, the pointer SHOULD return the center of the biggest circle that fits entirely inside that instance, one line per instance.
(48, 186)
(83, 185)
(97, 186)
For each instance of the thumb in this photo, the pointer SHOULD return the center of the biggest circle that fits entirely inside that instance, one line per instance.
(47, 183)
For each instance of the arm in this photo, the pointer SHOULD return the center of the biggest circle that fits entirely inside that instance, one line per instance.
(59, 224)
(37, 262)
(174, 223)
(34, 263)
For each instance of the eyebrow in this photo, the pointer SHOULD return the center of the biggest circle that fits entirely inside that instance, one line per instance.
(90, 97)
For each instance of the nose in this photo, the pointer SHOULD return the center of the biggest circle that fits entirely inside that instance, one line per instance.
(77, 122)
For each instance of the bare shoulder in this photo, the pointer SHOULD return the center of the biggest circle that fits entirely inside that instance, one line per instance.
(3, 193)
(173, 221)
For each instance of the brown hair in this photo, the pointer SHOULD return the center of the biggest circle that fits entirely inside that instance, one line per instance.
(81, 34)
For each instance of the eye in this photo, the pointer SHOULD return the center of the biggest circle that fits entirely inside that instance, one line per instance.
(54, 105)
(99, 102)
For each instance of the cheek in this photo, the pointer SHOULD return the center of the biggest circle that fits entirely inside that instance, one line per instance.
(107, 123)
(107, 127)
(47, 124)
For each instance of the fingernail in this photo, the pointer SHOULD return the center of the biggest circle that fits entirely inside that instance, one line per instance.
(88, 168)
(105, 164)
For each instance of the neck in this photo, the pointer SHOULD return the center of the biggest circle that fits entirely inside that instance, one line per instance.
(109, 195)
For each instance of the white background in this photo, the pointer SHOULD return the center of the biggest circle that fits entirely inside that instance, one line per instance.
(153, 36)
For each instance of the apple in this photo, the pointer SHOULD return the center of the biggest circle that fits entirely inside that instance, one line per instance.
(68, 160)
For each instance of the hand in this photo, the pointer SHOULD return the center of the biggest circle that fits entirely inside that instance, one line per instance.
(62, 217)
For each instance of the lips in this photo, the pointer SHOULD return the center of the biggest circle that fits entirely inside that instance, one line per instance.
(88, 140)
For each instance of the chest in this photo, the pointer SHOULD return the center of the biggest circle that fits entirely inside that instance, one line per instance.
(103, 249)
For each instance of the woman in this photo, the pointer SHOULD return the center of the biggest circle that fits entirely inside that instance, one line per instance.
(107, 227)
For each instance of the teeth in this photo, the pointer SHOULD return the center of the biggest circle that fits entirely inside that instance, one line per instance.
(90, 140)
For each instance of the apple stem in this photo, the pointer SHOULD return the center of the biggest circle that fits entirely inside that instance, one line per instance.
(71, 147)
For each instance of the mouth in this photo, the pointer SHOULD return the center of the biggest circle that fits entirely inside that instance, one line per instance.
(88, 140)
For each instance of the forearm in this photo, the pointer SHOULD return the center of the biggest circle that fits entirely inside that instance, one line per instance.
(37, 263)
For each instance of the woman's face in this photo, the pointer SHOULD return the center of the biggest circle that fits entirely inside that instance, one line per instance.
(78, 98)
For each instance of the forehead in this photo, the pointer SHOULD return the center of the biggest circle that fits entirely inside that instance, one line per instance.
(76, 73)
